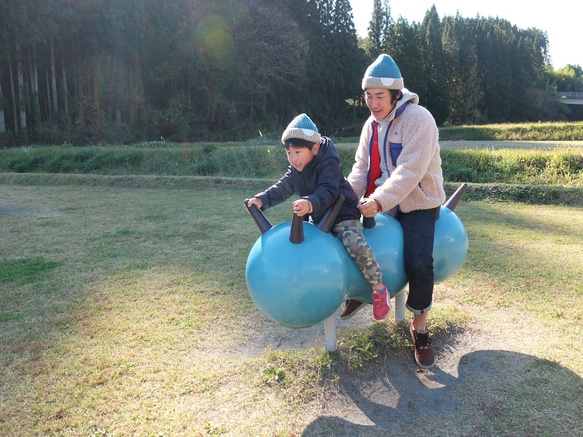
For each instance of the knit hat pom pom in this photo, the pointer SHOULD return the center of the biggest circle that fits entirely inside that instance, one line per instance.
(383, 73)
(301, 127)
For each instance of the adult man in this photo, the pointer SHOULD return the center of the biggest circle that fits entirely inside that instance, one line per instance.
(398, 171)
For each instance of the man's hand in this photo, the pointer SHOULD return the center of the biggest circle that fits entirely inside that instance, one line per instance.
(368, 207)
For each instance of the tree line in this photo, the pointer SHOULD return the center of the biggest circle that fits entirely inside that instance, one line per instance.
(119, 71)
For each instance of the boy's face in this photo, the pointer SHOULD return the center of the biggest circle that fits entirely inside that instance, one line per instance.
(379, 101)
(299, 157)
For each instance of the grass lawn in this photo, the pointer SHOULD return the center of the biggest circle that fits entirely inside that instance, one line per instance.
(124, 311)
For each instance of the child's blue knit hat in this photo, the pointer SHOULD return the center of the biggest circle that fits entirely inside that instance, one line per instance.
(301, 127)
(383, 73)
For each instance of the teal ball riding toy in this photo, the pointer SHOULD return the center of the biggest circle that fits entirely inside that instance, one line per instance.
(297, 284)
(298, 274)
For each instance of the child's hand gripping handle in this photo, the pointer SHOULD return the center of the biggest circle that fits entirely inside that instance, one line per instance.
(261, 221)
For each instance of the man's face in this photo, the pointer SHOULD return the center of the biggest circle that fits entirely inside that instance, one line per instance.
(379, 101)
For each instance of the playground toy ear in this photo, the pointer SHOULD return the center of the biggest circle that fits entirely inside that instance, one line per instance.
(297, 225)
(260, 219)
(296, 233)
(455, 197)
(327, 222)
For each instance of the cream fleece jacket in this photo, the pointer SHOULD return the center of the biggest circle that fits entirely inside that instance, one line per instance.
(416, 181)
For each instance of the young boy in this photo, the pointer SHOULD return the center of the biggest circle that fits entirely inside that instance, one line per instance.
(314, 174)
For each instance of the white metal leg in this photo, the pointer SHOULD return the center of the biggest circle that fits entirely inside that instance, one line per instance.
(400, 300)
(330, 333)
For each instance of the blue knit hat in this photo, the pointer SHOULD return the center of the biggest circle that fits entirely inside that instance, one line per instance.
(301, 127)
(383, 73)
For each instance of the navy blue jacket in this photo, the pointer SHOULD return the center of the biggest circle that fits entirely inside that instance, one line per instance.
(321, 182)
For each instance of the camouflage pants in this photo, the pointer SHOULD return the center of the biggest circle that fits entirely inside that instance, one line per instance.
(350, 233)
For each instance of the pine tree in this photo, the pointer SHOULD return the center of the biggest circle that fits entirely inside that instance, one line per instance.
(379, 29)
(435, 94)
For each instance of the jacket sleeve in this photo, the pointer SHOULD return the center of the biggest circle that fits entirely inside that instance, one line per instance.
(278, 192)
(328, 176)
(359, 172)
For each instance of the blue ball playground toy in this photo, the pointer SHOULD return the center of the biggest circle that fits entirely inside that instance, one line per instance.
(298, 274)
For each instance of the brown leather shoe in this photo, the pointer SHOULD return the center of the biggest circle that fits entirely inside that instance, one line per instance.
(351, 306)
(424, 355)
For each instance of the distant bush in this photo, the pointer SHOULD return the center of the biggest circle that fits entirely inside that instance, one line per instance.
(515, 132)
(561, 167)
(517, 166)
(524, 173)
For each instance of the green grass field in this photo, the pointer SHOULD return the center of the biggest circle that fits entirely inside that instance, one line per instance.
(124, 311)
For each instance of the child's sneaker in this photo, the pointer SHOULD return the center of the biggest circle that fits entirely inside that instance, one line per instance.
(380, 303)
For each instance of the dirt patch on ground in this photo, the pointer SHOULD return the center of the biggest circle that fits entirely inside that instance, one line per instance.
(473, 382)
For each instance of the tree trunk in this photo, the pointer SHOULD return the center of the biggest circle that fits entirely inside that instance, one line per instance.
(65, 91)
(34, 97)
(12, 92)
(53, 78)
(140, 99)
(2, 121)
(20, 90)
(49, 99)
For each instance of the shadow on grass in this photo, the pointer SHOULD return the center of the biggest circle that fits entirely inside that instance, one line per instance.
(489, 392)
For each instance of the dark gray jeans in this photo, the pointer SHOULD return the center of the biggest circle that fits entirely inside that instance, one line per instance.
(418, 236)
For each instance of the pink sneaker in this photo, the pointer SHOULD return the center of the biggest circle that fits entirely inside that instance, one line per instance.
(380, 303)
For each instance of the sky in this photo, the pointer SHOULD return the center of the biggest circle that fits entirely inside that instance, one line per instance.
(560, 19)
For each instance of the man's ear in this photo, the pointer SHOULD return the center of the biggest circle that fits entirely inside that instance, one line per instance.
(316, 148)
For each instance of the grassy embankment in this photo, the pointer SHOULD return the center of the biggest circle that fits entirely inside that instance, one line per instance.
(544, 166)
